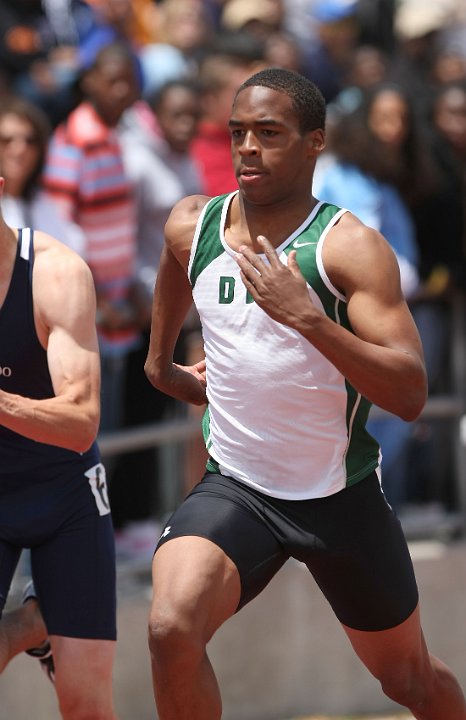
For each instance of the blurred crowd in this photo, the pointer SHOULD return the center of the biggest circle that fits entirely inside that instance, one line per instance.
(113, 110)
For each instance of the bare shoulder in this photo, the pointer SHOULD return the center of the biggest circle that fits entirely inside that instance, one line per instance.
(61, 277)
(53, 259)
(355, 253)
(181, 224)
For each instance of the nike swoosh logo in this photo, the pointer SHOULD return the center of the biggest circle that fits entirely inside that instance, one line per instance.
(298, 244)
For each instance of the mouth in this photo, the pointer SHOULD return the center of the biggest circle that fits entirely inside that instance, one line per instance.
(250, 174)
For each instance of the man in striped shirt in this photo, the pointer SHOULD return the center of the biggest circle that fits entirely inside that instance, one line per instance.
(85, 175)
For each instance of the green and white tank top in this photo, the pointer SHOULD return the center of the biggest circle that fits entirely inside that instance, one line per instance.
(280, 417)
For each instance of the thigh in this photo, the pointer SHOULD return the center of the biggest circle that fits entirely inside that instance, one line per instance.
(361, 559)
(230, 517)
(196, 587)
(9, 558)
(83, 676)
(74, 576)
(391, 651)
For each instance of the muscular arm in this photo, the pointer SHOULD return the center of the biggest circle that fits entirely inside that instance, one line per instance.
(383, 359)
(64, 304)
(172, 301)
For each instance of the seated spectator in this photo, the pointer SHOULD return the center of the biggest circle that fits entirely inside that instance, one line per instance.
(24, 137)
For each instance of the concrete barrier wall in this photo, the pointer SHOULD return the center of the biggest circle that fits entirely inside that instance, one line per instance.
(283, 656)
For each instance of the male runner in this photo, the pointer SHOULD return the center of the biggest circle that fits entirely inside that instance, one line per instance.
(304, 326)
(53, 496)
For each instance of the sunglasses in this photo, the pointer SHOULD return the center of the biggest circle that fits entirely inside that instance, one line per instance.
(29, 140)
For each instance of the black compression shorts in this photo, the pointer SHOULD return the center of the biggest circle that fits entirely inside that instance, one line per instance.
(351, 542)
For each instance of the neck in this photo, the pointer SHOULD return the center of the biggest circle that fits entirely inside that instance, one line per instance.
(8, 240)
(14, 188)
(277, 221)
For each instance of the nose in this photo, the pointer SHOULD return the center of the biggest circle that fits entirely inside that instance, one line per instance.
(122, 90)
(249, 146)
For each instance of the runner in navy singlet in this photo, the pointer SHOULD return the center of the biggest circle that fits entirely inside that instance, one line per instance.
(53, 494)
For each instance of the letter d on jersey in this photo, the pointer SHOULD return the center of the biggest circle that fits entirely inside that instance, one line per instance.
(226, 290)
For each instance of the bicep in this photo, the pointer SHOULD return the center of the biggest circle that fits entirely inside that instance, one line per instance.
(387, 324)
(378, 312)
(73, 361)
(72, 346)
(368, 273)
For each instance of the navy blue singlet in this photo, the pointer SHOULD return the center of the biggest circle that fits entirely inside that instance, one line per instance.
(24, 370)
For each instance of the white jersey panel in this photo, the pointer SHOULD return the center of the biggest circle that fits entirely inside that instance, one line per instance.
(264, 383)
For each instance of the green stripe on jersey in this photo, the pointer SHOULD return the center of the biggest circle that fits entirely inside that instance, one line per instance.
(210, 246)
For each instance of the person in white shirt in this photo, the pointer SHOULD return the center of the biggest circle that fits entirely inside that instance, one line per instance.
(24, 135)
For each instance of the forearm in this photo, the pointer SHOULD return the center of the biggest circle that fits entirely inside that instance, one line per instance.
(185, 383)
(172, 302)
(59, 421)
(390, 377)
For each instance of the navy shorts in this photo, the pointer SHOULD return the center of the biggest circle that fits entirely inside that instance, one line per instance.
(351, 542)
(65, 520)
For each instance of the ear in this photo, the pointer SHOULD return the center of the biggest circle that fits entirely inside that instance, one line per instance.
(316, 142)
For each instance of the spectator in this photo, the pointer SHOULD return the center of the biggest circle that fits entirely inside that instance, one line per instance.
(282, 50)
(418, 28)
(230, 61)
(39, 42)
(183, 31)
(390, 117)
(85, 176)
(338, 34)
(162, 171)
(115, 21)
(261, 18)
(24, 137)
(449, 119)
(395, 150)
(368, 66)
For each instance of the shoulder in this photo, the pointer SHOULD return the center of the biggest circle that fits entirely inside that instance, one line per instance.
(355, 253)
(58, 269)
(350, 233)
(181, 225)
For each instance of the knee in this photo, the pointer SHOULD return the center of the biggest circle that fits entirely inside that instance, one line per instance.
(173, 639)
(79, 708)
(407, 684)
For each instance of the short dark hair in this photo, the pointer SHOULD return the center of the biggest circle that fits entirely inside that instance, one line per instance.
(156, 99)
(307, 101)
